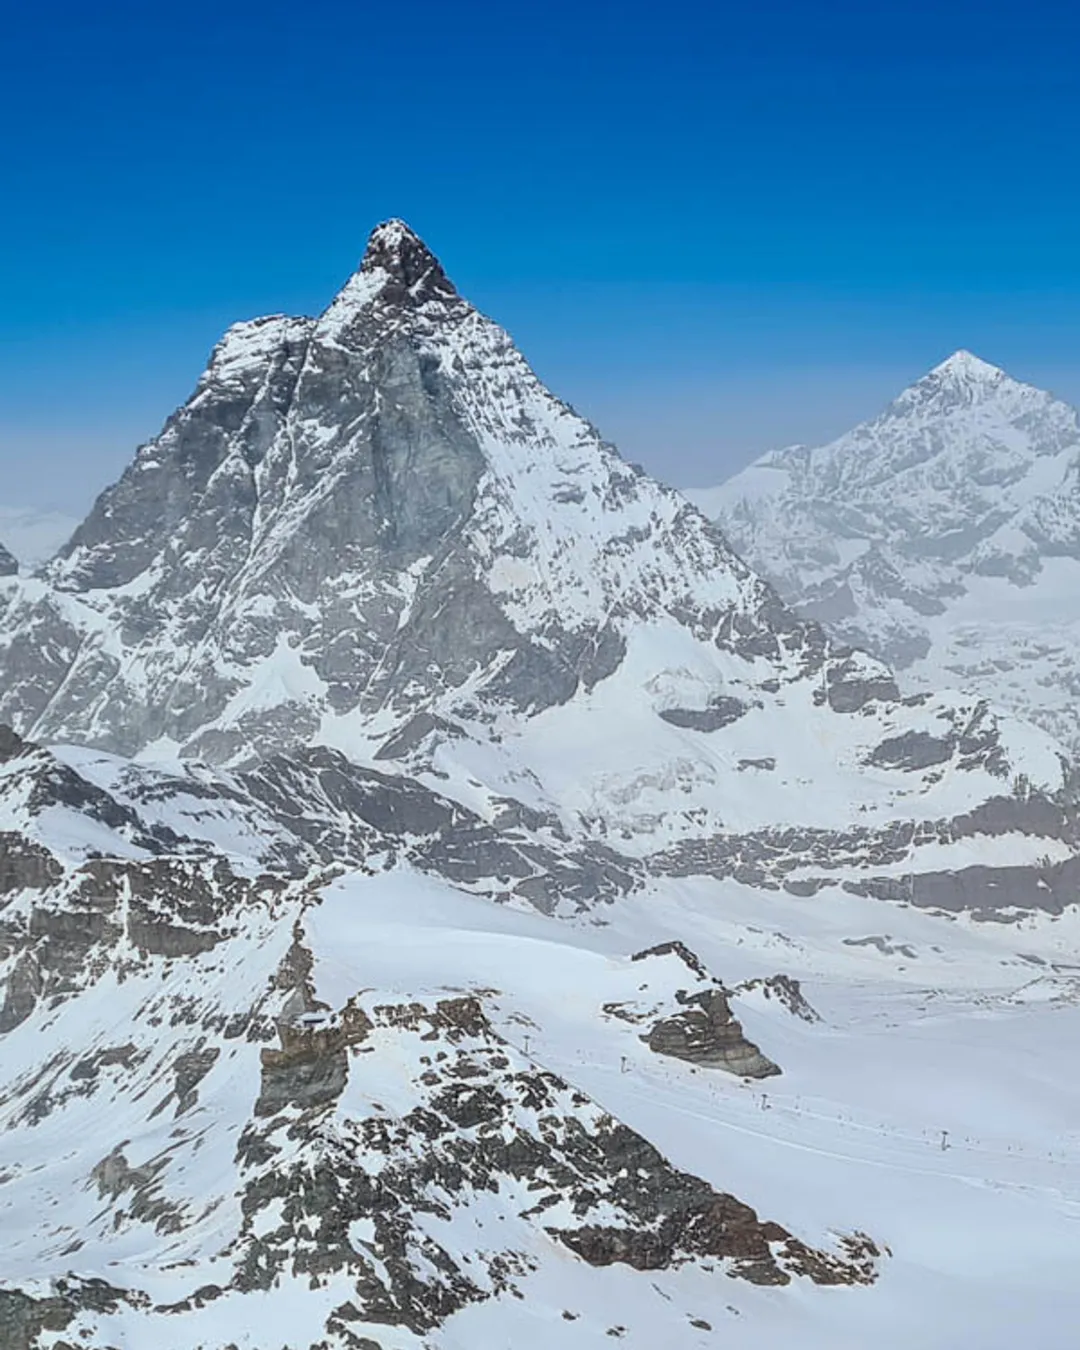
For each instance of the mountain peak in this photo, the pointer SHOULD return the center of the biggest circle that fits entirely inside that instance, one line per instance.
(967, 367)
(398, 251)
(961, 380)
(397, 268)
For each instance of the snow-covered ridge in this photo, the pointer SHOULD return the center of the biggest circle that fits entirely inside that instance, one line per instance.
(941, 535)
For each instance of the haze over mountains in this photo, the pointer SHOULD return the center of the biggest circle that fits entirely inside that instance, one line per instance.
(30, 536)
(943, 535)
(415, 827)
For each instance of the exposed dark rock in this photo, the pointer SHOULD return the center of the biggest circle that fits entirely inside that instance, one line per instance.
(485, 1116)
(697, 1222)
(22, 991)
(689, 959)
(767, 858)
(721, 712)
(311, 1067)
(785, 990)
(707, 1033)
(972, 742)
(806, 886)
(91, 1065)
(166, 907)
(885, 945)
(999, 894)
(190, 1069)
(23, 1319)
(344, 812)
(11, 744)
(143, 1191)
(912, 750)
(849, 688)
(26, 865)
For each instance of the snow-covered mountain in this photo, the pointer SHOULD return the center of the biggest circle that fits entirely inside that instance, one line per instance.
(378, 532)
(944, 536)
(32, 536)
(415, 830)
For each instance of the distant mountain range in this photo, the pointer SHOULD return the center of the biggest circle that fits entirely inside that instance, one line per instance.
(943, 536)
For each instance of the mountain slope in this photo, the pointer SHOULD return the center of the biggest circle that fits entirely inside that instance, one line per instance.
(942, 536)
(146, 977)
(377, 531)
(242, 1109)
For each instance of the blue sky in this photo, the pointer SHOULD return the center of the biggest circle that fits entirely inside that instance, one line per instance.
(711, 227)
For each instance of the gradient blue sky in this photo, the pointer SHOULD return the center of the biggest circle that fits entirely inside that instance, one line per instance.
(712, 227)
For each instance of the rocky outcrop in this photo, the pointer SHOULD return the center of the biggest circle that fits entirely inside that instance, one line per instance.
(25, 864)
(344, 812)
(485, 1118)
(784, 990)
(64, 941)
(804, 861)
(707, 1033)
(9, 565)
(690, 959)
(987, 894)
(721, 712)
(25, 1320)
(311, 1066)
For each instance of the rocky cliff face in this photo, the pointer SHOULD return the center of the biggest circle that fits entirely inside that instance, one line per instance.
(706, 1032)
(359, 514)
(942, 536)
(8, 564)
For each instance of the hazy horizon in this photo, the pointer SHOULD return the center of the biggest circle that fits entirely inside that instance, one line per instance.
(689, 431)
(713, 231)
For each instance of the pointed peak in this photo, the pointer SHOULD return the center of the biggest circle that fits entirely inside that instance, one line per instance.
(398, 270)
(966, 366)
(398, 251)
(390, 241)
(962, 380)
